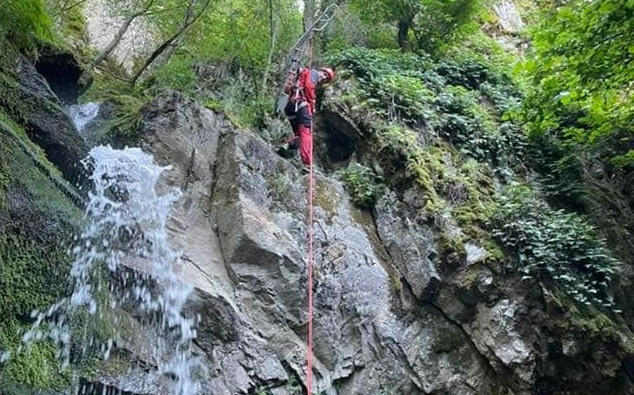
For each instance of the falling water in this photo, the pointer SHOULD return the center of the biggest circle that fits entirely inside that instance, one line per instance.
(123, 262)
(82, 114)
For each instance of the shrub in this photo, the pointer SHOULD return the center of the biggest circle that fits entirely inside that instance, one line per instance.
(363, 185)
(177, 74)
(553, 246)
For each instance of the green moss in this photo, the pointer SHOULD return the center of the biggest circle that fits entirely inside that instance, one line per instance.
(493, 249)
(450, 243)
(5, 178)
(36, 219)
(34, 368)
(125, 122)
(363, 185)
(468, 277)
(325, 199)
(11, 98)
(587, 321)
(33, 175)
(32, 275)
(476, 192)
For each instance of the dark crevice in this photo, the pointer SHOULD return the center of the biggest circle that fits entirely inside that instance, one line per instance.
(340, 146)
(62, 72)
(334, 146)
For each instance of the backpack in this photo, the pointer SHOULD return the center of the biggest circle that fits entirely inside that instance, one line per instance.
(291, 91)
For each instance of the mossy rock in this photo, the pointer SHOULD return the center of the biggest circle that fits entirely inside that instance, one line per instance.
(37, 220)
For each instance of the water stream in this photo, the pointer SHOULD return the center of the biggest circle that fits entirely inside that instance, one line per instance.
(124, 276)
(82, 114)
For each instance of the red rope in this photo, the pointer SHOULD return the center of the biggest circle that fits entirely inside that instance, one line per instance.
(311, 259)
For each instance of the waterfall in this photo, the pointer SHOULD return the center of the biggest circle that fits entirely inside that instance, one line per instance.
(81, 114)
(123, 266)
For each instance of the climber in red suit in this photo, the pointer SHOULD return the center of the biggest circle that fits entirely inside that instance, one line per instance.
(301, 107)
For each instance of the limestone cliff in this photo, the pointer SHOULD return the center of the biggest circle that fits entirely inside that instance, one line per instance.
(405, 302)
(394, 314)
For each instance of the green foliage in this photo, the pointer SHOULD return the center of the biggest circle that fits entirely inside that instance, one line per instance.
(369, 64)
(178, 74)
(553, 246)
(23, 289)
(348, 29)
(363, 185)
(441, 22)
(579, 91)
(409, 96)
(420, 104)
(68, 18)
(27, 370)
(420, 24)
(392, 82)
(242, 105)
(471, 127)
(243, 40)
(463, 100)
(246, 35)
(25, 22)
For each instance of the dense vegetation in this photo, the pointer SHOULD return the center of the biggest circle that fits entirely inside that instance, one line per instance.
(579, 109)
(445, 106)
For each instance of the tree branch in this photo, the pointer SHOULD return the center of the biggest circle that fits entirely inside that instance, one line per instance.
(189, 19)
(117, 38)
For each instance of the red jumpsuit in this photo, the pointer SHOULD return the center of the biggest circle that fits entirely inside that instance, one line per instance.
(299, 110)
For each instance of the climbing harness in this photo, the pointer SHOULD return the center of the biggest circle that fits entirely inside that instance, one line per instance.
(292, 63)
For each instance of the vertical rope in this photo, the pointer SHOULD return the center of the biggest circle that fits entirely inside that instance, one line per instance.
(311, 258)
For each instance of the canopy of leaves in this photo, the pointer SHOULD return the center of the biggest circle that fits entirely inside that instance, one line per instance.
(580, 81)
(421, 24)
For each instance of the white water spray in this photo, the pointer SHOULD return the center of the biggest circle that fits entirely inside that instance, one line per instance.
(123, 261)
(82, 114)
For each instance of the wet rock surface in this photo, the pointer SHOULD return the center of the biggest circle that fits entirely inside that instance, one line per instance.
(46, 122)
(392, 314)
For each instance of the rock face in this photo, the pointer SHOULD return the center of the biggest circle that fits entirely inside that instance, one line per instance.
(45, 120)
(391, 316)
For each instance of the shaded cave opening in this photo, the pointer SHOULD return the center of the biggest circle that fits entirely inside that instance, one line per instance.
(62, 72)
(334, 147)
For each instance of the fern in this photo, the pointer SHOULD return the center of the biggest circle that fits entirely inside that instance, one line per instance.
(25, 22)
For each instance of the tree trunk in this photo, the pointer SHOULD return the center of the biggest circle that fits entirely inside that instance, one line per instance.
(403, 31)
(272, 40)
(309, 13)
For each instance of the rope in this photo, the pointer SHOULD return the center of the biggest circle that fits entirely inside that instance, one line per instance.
(311, 258)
